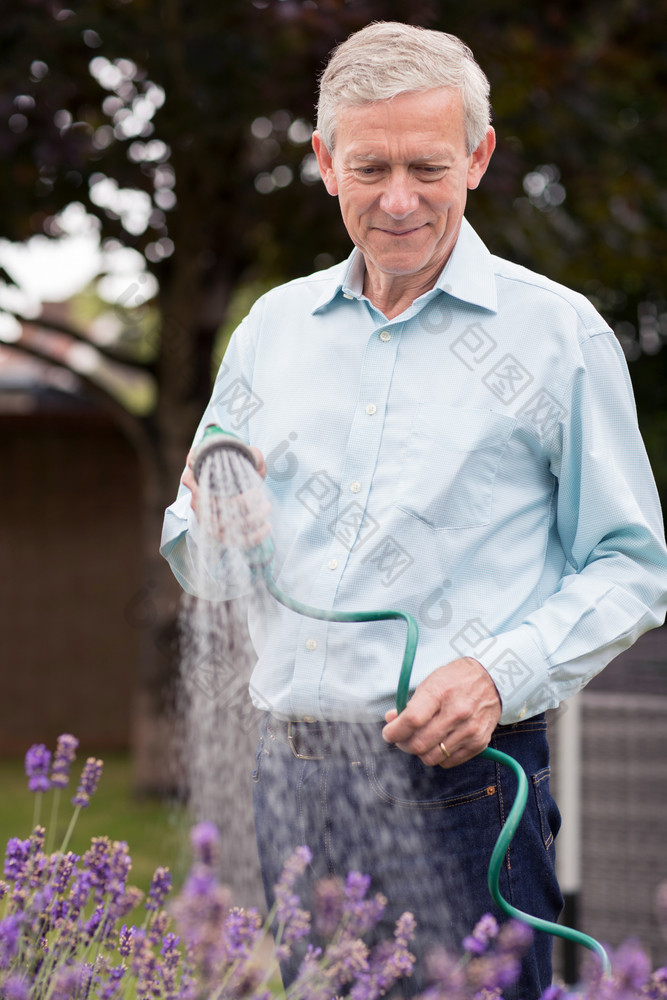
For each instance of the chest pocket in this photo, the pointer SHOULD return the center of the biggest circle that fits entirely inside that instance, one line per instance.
(449, 464)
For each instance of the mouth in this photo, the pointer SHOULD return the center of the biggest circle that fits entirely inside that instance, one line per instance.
(399, 233)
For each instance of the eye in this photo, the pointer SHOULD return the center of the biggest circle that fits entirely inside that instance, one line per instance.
(367, 171)
(431, 170)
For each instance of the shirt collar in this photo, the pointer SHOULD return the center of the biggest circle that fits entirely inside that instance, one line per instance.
(468, 275)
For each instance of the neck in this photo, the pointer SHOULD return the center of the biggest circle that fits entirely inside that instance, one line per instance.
(393, 294)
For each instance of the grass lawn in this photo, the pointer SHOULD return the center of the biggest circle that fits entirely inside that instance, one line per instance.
(156, 831)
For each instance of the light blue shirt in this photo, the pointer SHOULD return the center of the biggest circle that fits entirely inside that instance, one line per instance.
(475, 461)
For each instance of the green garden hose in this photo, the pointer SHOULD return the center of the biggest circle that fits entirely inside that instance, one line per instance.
(260, 559)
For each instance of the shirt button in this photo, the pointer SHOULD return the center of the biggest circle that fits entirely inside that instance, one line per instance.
(333, 564)
(385, 336)
(311, 644)
(346, 295)
(355, 487)
(371, 409)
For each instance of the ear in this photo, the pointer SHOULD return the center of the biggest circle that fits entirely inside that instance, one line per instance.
(479, 160)
(325, 163)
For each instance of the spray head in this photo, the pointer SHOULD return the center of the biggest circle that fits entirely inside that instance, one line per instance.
(215, 439)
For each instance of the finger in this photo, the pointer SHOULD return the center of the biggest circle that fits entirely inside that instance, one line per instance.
(189, 480)
(259, 459)
(420, 711)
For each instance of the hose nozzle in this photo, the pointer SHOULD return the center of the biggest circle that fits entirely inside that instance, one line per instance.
(215, 439)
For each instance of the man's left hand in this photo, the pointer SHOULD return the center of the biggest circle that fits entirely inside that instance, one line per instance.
(457, 706)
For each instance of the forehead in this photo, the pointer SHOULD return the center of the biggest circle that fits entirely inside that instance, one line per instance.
(418, 124)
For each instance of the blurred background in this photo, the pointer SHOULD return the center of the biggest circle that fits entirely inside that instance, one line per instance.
(156, 177)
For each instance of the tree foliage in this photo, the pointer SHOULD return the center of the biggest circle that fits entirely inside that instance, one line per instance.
(158, 100)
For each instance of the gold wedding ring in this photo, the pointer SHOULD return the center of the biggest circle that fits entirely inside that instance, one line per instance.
(445, 750)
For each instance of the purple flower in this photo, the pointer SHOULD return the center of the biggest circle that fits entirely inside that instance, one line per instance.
(36, 840)
(554, 992)
(321, 976)
(170, 946)
(446, 974)
(96, 862)
(120, 865)
(657, 985)
(114, 987)
(241, 930)
(328, 900)
(158, 927)
(389, 962)
(80, 891)
(143, 964)
(10, 933)
(631, 966)
(130, 899)
(16, 859)
(205, 841)
(73, 981)
(515, 936)
(15, 988)
(160, 886)
(200, 910)
(63, 871)
(484, 931)
(63, 760)
(37, 763)
(295, 921)
(91, 926)
(360, 915)
(90, 776)
(170, 962)
(125, 941)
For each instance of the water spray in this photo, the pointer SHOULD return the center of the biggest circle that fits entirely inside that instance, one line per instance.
(217, 441)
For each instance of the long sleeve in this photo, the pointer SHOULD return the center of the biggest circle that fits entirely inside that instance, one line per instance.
(608, 518)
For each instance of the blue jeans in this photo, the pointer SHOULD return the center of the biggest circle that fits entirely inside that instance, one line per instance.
(424, 834)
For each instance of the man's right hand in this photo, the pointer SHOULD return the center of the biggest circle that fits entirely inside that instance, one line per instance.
(240, 520)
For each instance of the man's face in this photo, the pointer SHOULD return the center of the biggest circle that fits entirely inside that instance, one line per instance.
(401, 174)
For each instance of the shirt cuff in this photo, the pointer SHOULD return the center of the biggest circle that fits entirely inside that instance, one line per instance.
(518, 668)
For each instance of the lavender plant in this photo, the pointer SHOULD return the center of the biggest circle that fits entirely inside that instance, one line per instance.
(72, 928)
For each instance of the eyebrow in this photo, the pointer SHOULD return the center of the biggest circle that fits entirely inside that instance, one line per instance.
(373, 158)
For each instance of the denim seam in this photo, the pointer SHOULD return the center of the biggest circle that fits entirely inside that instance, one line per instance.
(259, 753)
(520, 727)
(537, 780)
(501, 802)
(299, 805)
(324, 803)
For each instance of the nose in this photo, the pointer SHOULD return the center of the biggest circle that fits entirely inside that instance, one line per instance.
(398, 198)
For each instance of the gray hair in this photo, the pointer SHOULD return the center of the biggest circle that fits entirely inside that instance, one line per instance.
(388, 58)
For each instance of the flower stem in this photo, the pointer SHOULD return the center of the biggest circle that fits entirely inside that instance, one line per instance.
(70, 830)
(55, 802)
(36, 810)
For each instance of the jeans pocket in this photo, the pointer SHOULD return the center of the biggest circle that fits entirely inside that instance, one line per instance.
(449, 464)
(547, 809)
(401, 779)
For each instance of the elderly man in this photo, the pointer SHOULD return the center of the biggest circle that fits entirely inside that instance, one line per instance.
(446, 433)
